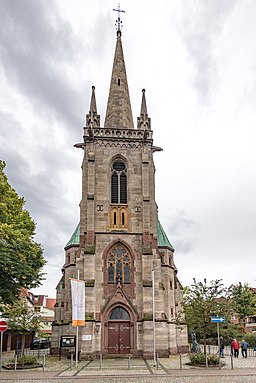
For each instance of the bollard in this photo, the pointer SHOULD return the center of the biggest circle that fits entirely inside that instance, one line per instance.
(71, 361)
(43, 362)
(232, 365)
(129, 361)
(180, 361)
(100, 361)
(15, 362)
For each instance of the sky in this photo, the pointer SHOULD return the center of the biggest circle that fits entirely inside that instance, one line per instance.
(197, 61)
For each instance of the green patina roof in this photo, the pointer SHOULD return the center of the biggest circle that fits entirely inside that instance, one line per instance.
(75, 238)
(162, 239)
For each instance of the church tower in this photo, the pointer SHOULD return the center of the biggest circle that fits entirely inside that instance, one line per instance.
(119, 246)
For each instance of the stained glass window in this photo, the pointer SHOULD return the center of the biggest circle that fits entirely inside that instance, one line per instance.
(119, 265)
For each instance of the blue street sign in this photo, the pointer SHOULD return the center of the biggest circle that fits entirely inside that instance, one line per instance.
(217, 319)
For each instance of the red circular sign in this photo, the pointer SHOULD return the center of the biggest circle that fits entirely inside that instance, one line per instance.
(3, 326)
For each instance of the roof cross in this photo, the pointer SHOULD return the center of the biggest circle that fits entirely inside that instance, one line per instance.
(118, 21)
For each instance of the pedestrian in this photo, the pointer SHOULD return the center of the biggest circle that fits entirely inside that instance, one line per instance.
(222, 346)
(244, 346)
(235, 348)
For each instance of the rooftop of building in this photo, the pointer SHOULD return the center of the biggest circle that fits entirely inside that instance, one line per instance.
(162, 239)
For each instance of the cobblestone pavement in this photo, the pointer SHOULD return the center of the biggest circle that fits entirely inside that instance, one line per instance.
(152, 379)
(117, 370)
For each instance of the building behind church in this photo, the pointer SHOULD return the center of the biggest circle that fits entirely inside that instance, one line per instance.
(119, 240)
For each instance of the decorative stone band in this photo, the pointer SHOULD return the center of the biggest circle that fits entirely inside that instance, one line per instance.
(137, 134)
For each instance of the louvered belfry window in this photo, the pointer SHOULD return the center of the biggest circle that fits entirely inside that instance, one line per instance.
(119, 182)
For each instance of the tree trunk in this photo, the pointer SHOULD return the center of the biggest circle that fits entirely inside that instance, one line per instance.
(23, 338)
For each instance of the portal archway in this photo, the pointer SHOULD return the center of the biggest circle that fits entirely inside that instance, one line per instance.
(119, 331)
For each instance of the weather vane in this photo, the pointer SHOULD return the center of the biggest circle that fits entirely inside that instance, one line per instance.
(119, 23)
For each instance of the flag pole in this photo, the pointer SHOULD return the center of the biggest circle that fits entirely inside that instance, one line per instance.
(77, 332)
(154, 325)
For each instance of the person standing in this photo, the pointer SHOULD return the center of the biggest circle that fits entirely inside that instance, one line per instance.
(244, 346)
(235, 348)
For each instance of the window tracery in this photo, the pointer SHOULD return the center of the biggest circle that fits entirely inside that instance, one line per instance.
(119, 265)
(119, 313)
(119, 182)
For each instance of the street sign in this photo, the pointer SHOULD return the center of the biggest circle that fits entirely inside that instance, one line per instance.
(3, 326)
(217, 319)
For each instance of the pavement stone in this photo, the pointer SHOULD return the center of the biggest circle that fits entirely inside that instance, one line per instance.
(117, 370)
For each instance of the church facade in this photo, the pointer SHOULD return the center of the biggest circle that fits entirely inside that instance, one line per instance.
(119, 246)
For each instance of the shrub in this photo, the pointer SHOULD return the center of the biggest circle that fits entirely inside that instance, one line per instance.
(250, 339)
(198, 359)
(213, 360)
(26, 360)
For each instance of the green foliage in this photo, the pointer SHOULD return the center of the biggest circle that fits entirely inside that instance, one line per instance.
(213, 360)
(243, 301)
(21, 318)
(26, 360)
(230, 331)
(200, 302)
(250, 339)
(198, 359)
(21, 258)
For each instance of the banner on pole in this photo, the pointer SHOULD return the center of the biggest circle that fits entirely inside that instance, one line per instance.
(78, 302)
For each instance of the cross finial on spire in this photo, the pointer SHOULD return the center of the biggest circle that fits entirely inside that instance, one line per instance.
(119, 23)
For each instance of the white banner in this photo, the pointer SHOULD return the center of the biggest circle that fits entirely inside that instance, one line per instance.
(78, 302)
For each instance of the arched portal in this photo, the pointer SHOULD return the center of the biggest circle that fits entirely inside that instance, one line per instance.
(119, 331)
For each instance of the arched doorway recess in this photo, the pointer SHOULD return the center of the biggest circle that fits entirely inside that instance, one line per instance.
(119, 331)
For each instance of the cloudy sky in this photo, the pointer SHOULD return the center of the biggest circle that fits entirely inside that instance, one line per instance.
(197, 61)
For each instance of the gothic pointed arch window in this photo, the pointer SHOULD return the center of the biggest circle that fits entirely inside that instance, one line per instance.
(119, 182)
(119, 265)
(119, 313)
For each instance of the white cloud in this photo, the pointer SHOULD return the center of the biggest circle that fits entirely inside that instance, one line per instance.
(197, 63)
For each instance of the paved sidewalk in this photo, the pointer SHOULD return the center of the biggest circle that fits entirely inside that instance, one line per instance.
(134, 371)
(177, 376)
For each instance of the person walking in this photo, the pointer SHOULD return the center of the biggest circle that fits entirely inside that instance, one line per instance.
(222, 346)
(235, 348)
(244, 346)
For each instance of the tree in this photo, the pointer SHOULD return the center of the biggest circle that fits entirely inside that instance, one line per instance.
(21, 258)
(200, 302)
(243, 301)
(21, 319)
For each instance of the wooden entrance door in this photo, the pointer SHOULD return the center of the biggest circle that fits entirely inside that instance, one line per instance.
(119, 337)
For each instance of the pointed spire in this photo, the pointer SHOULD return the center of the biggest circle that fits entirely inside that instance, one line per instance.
(119, 112)
(92, 119)
(143, 122)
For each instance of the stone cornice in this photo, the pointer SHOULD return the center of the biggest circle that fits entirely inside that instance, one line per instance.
(118, 133)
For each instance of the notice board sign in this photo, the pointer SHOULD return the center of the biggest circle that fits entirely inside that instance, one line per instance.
(68, 341)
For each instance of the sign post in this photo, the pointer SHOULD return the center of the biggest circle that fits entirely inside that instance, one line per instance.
(218, 320)
(3, 328)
